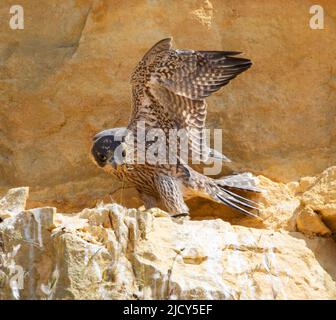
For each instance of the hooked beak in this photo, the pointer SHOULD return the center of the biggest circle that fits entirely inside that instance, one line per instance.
(112, 163)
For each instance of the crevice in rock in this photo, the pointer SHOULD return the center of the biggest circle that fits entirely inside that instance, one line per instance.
(75, 44)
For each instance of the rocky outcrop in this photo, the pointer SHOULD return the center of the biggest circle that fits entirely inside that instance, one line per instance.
(66, 76)
(14, 202)
(110, 252)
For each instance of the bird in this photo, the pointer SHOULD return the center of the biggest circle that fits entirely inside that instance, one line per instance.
(169, 88)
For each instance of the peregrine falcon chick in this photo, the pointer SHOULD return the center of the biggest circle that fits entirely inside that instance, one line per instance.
(169, 88)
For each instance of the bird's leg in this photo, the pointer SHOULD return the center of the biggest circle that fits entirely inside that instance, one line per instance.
(171, 195)
(148, 200)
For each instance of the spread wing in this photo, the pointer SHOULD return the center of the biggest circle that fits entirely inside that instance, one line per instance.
(170, 87)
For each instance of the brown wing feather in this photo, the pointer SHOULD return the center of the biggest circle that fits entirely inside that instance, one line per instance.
(169, 86)
(198, 74)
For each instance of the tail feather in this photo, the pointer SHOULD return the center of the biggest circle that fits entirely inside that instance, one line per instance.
(240, 197)
(243, 203)
(243, 181)
(217, 155)
(238, 208)
(219, 190)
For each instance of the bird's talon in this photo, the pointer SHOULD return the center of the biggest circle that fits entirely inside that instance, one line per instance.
(179, 215)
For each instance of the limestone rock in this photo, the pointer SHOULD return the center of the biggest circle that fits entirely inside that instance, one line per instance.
(279, 204)
(66, 76)
(110, 252)
(13, 202)
(310, 222)
(328, 214)
(321, 197)
(322, 191)
(324, 250)
(235, 262)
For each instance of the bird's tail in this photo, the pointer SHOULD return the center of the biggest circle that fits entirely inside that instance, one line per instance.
(243, 181)
(223, 192)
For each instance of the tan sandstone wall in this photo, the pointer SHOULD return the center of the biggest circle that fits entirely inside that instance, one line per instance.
(66, 75)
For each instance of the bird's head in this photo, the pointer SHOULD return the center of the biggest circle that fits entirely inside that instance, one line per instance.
(109, 147)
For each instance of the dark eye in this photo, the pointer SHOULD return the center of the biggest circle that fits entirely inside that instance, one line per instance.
(102, 157)
(123, 153)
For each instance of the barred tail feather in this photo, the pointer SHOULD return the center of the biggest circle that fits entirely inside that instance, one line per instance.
(232, 203)
(218, 156)
(244, 181)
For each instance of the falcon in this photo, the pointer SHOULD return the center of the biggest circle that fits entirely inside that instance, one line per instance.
(169, 87)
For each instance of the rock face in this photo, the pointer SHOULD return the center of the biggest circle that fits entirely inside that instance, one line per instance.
(14, 202)
(66, 76)
(110, 252)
